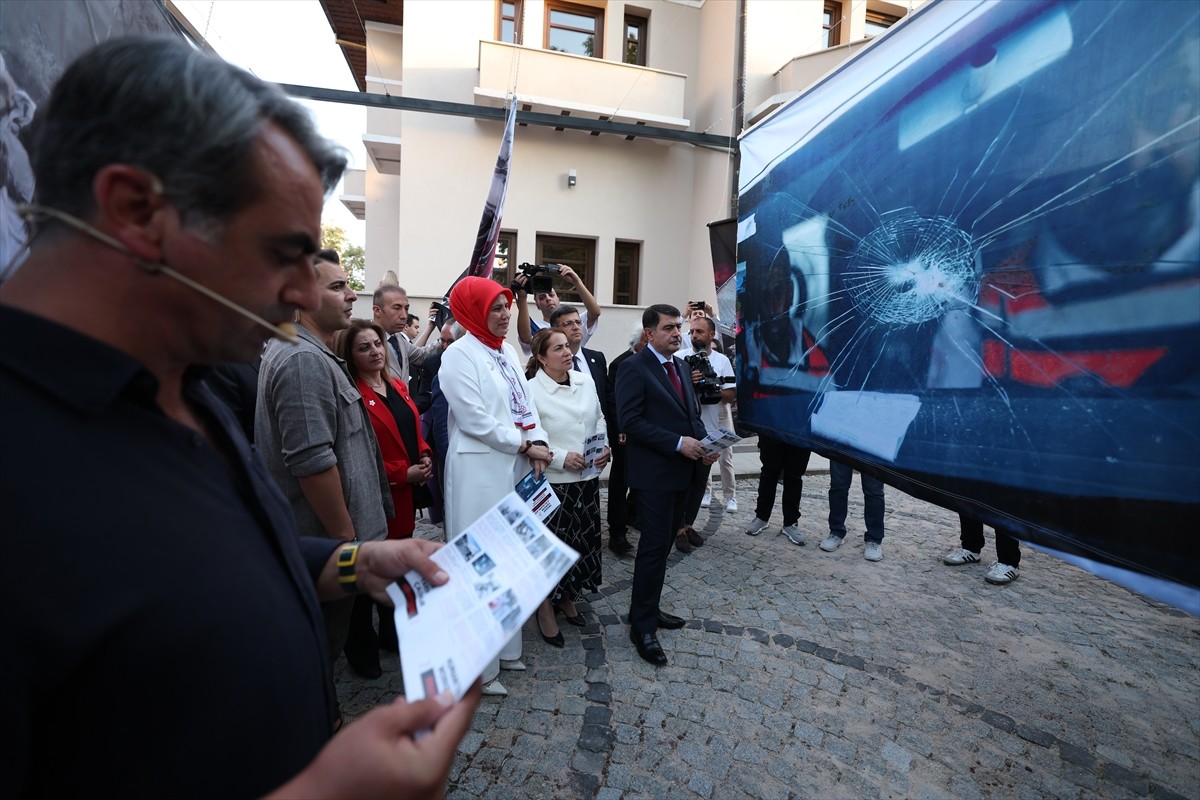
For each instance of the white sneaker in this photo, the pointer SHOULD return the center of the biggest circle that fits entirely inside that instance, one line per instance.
(792, 533)
(756, 527)
(1001, 573)
(874, 552)
(516, 665)
(960, 556)
(731, 505)
(706, 501)
(494, 688)
(831, 543)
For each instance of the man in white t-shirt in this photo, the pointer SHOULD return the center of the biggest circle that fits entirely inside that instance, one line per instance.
(547, 302)
(703, 331)
(724, 408)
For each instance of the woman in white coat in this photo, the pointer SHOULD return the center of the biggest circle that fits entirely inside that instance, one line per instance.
(570, 413)
(494, 435)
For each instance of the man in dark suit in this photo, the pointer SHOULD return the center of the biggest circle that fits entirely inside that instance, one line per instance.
(389, 308)
(592, 362)
(660, 417)
(620, 504)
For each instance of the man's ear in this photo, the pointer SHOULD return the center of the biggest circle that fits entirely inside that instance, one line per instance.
(131, 207)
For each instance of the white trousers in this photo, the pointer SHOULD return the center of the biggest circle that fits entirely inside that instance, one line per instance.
(725, 462)
(510, 652)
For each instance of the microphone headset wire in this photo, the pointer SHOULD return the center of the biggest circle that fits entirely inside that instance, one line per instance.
(34, 213)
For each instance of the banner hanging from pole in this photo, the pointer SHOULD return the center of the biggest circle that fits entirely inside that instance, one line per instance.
(484, 251)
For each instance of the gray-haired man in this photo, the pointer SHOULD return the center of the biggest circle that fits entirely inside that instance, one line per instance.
(178, 586)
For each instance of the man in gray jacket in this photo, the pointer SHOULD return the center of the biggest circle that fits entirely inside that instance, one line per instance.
(313, 431)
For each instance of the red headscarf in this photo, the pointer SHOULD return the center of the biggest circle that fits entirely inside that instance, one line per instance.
(470, 300)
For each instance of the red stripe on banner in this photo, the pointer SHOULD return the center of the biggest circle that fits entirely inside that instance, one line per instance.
(1119, 368)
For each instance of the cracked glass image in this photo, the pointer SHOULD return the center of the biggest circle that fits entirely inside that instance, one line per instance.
(970, 258)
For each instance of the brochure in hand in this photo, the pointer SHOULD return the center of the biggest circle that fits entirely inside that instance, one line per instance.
(500, 569)
(719, 440)
(593, 448)
(536, 492)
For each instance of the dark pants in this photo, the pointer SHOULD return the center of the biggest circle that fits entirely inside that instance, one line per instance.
(1008, 548)
(337, 625)
(695, 493)
(362, 643)
(660, 515)
(619, 496)
(840, 477)
(790, 461)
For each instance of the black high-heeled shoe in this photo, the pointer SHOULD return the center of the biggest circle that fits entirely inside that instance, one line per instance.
(578, 621)
(556, 640)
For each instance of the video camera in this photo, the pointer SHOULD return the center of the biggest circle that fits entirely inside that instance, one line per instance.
(541, 278)
(708, 390)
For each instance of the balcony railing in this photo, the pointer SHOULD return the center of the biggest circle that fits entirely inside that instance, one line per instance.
(354, 192)
(555, 83)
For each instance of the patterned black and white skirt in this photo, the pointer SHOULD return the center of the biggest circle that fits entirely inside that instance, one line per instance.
(577, 522)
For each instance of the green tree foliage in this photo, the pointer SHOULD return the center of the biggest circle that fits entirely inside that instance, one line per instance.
(353, 257)
(354, 260)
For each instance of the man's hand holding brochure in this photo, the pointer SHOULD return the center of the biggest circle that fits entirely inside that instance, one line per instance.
(500, 569)
(719, 440)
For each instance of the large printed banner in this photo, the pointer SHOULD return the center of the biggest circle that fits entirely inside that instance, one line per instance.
(969, 263)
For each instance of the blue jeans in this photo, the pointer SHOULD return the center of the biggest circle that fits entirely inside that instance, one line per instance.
(840, 477)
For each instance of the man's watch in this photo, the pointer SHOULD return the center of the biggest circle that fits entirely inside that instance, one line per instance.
(347, 559)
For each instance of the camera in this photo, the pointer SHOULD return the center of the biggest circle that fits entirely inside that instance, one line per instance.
(708, 390)
(695, 305)
(541, 278)
(440, 310)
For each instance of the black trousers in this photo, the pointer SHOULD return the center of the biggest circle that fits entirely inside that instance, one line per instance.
(660, 514)
(696, 493)
(790, 461)
(362, 643)
(619, 497)
(1008, 548)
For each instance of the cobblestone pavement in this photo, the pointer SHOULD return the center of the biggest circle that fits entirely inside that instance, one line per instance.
(820, 675)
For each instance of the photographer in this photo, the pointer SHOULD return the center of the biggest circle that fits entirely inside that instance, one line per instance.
(700, 309)
(710, 371)
(548, 300)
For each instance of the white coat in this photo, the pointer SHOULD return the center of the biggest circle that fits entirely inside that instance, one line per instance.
(482, 464)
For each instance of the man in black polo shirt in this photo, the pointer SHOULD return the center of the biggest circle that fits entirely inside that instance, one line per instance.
(163, 632)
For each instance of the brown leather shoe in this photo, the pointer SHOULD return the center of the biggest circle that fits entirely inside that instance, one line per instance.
(619, 545)
(694, 539)
(681, 543)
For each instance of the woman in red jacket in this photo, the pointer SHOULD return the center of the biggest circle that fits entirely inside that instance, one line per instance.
(407, 460)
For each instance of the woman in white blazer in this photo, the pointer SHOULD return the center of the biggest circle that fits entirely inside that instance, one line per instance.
(494, 435)
(570, 413)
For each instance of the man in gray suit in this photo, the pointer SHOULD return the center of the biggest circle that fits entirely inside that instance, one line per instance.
(314, 434)
(389, 307)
